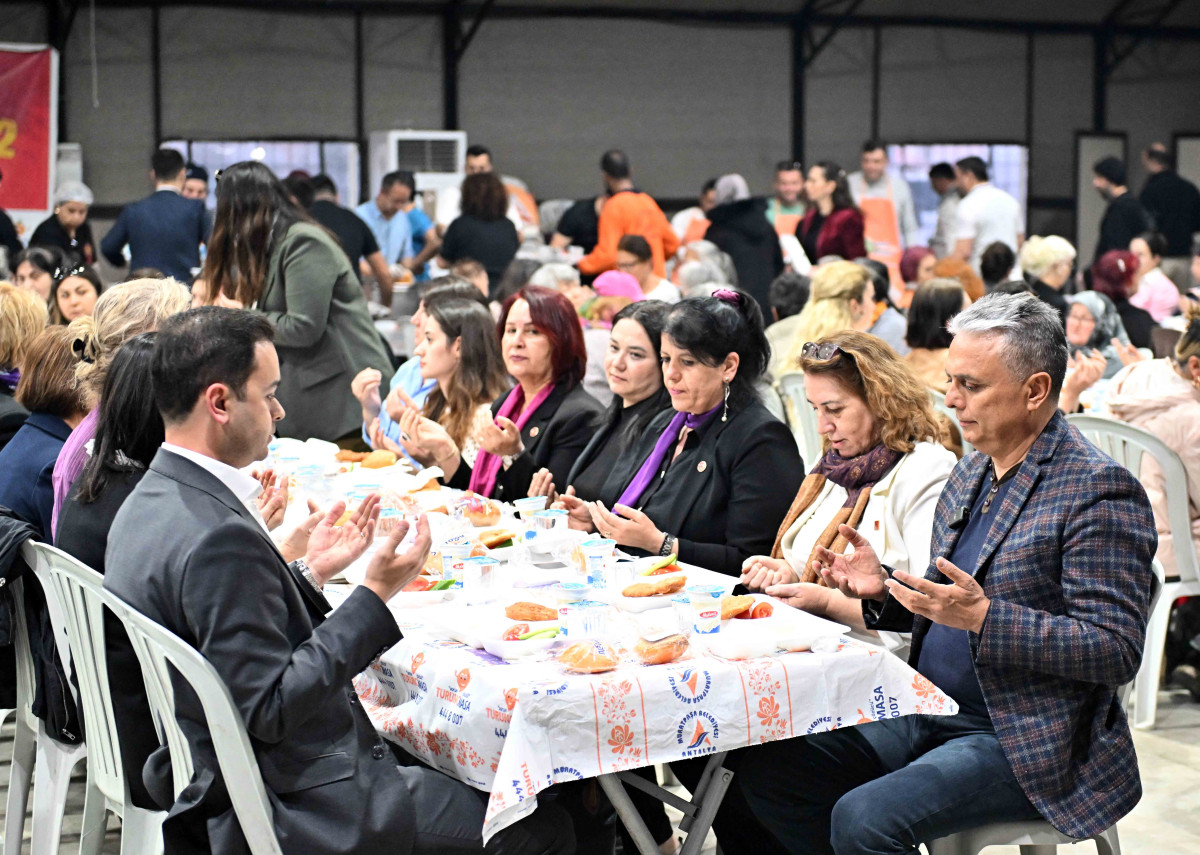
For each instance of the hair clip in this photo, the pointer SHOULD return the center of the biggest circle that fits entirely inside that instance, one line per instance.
(79, 348)
(1121, 264)
(60, 274)
(727, 296)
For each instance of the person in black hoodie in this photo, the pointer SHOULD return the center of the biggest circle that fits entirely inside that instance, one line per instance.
(740, 227)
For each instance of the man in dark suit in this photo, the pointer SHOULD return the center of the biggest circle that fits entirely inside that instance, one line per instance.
(1031, 616)
(187, 551)
(164, 231)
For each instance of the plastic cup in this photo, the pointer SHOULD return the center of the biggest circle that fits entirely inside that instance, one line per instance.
(479, 574)
(681, 604)
(597, 555)
(705, 601)
(454, 556)
(587, 619)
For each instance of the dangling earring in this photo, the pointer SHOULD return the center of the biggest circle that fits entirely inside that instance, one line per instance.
(725, 415)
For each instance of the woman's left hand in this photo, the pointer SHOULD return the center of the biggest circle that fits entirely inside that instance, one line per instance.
(630, 528)
(501, 438)
(1127, 353)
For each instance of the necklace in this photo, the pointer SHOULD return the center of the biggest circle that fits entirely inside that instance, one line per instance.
(995, 488)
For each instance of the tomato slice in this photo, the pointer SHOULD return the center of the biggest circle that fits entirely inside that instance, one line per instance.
(662, 571)
(761, 610)
(421, 583)
(515, 632)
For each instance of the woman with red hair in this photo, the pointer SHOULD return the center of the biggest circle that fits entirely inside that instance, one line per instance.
(1114, 275)
(544, 421)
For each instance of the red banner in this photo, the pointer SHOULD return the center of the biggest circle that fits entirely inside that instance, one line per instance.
(26, 118)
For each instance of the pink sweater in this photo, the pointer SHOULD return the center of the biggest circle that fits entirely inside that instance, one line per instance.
(71, 460)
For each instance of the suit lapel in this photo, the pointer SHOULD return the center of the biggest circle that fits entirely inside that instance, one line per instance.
(687, 485)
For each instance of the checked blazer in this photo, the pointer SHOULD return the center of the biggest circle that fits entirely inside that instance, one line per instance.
(1067, 567)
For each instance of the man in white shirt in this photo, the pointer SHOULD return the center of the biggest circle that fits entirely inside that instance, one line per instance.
(986, 213)
(942, 180)
(890, 217)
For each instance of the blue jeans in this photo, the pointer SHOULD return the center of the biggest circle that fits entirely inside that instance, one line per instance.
(883, 787)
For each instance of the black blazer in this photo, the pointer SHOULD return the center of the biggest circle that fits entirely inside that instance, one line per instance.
(607, 425)
(553, 438)
(186, 553)
(726, 494)
(12, 416)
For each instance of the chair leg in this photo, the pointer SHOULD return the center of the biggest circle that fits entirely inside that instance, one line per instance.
(1038, 849)
(1146, 686)
(19, 780)
(95, 821)
(54, 765)
(141, 831)
(1107, 842)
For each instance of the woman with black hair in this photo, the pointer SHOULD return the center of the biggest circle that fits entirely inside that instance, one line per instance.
(74, 294)
(932, 307)
(268, 255)
(631, 366)
(833, 224)
(711, 479)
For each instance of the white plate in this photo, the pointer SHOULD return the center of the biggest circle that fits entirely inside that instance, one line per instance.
(521, 649)
(418, 599)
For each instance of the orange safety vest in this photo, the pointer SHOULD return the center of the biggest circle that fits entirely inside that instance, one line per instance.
(881, 231)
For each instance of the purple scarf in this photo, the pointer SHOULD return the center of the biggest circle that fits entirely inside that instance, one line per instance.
(10, 379)
(487, 465)
(666, 441)
(857, 473)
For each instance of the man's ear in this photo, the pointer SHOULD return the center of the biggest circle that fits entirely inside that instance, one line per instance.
(1037, 390)
(216, 402)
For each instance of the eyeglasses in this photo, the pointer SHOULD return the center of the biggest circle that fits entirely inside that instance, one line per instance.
(1081, 318)
(820, 352)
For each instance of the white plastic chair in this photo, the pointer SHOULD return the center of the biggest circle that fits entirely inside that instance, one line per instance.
(34, 747)
(1127, 444)
(70, 597)
(162, 653)
(1036, 836)
(939, 404)
(800, 416)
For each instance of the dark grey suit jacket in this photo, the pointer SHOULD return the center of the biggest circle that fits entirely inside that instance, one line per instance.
(323, 334)
(185, 552)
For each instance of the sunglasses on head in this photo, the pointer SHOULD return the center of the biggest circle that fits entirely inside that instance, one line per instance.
(820, 352)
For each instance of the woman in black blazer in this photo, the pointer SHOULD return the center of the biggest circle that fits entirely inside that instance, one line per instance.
(712, 479)
(544, 421)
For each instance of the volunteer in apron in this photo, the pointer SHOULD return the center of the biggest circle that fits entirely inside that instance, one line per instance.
(889, 219)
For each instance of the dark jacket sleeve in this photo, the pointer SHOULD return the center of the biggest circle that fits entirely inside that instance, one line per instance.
(569, 439)
(115, 240)
(8, 237)
(767, 471)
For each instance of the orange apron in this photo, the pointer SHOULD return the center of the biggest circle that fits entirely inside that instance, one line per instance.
(696, 229)
(785, 224)
(881, 231)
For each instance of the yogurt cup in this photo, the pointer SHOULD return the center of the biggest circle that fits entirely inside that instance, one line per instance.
(453, 562)
(705, 601)
(597, 554)
(585, 619)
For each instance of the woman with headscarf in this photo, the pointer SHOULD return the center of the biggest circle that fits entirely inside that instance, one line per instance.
(1092, 324)
(67, 228)
(739, 227)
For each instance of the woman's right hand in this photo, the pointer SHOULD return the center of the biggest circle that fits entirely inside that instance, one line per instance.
(365, 387)
(424, 439)
(579, 517)
(760, 572)
(1082, 373)
(543, 485)
(806, 596)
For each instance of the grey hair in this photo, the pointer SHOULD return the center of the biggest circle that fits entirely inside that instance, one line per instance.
(1033, 334)
(551, 275)
(692, 274)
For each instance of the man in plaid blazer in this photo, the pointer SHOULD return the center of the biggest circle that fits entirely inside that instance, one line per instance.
(1031, 615)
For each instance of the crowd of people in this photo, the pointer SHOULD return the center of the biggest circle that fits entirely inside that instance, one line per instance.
(636, 389)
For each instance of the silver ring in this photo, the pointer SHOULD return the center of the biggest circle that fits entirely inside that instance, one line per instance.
(404, 436)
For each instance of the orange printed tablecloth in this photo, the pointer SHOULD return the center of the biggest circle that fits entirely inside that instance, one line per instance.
(514, 729)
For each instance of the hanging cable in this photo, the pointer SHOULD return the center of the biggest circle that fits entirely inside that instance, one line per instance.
(95, 64)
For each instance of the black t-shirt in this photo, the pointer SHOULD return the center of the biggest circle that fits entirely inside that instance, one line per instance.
(1174, 203)
(493, 244)
(354, 235)
(581, 224)
(1124, 219)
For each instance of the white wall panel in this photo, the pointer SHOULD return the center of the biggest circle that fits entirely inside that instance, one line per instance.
(402, 73)
(941, 85)
(118, 135)
(227, 73)
(837, 87)
(23, 22)
(1062, 105)
(685, 102)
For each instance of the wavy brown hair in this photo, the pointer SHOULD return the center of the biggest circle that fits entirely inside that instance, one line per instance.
(480, 377)
(870, 369)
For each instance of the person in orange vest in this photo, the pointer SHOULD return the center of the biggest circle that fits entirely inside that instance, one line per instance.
(787, 206)
(627, 212)
(885, 199)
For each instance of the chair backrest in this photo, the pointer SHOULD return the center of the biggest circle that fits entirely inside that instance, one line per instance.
(939, 405)
(160, 652)
(77, 614)
(800, 416)
(1156, 589)
(26, 682)
(1127, 444)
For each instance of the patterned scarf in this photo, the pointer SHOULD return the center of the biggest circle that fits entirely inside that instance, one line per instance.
(487, 465)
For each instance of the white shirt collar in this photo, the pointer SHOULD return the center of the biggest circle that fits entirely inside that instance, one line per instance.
(170, 187)
(243, 486)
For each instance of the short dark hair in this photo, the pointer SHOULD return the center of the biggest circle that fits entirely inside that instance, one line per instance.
(874, 145)
(390, 180)
(1155, 242)
(167, 163)
(933, 305)
(1159, 156)
(130, 429)
(615, 164)
(515, 277)
(789, 166)
(880, 281)
(300, 188)
(200, 347)
(553, 314)
(403, 176)
(47, 383)
(996, 262)
(322, 183)
(144, 273)
(787, 294)
(941, 170)
(484, 196)
(711, 328)
(708, 186)
(479, 150)
(1013, 286)
(973, 165)
(452, 288)
(196, 172)
(637, 246)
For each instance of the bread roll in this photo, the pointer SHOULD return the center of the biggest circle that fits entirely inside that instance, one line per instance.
(530, 611)
(664, 650)
(378, 460)
(589, 657)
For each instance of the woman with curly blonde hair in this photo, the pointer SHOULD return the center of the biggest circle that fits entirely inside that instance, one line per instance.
(22, 317)
(122, 312)
(881, 474)
(841, 297)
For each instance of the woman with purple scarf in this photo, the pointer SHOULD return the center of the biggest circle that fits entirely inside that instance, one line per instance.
(710, 478)
(881, 474)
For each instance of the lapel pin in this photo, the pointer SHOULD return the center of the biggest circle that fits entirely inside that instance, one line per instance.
(701, 466)
(533, 431)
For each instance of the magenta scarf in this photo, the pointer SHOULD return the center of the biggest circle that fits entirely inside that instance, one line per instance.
(487, 465)
(856, 474)
(666, 441)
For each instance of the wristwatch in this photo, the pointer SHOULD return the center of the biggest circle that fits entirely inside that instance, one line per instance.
(304, 570)
(667, 547)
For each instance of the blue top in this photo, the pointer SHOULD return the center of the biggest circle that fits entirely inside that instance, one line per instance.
(27, 467)
(394, 236)
(420, 223)
(946, 657)
(407, 377)
(164, 231)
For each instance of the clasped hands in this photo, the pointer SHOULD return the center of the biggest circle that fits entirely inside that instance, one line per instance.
(627, 526)
(959, 604)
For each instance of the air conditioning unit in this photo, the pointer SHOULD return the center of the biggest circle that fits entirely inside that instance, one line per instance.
(436, 158)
